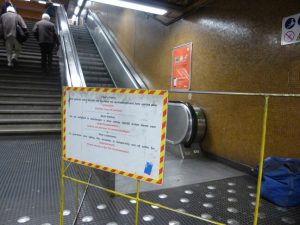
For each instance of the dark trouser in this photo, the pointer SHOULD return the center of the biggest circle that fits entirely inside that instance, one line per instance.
(46, 50)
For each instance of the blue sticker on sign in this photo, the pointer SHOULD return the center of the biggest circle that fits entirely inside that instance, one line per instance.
(148, 168)
(290, 23)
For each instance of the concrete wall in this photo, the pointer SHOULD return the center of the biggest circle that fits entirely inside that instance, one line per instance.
(236, 47)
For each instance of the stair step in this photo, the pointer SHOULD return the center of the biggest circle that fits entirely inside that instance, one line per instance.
(29, 121)
(90, 59)
(98, 69)
(31, 103)
(30, 99)
(95, 74)
(20, 87)
(28, 91)
(29, 111)
(25, 71)
(18, 98)
(27, 77)
(30, 128)
(32, 66)
(30, 60)
(25, 95)
(29, 116)
(27, 53)
(48, 83)
(98, 80)
(88, 55)
(100, 85)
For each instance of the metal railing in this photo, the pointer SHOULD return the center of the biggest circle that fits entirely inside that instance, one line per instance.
(72, 70)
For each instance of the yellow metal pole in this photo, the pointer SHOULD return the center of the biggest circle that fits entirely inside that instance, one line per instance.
(77, 196)
(261, 160)
(62, 193)
(62, 168)
(138, 187)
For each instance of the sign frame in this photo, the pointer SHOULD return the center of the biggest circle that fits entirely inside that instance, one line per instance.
(112, 170)
(189, 64)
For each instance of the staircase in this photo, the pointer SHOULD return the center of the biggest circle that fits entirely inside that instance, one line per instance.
(29, 98)
(93, 68)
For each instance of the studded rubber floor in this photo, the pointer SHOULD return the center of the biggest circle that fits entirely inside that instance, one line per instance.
(29, 194)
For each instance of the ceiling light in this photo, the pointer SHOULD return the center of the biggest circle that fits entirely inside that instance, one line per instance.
(135, 6)
(79, 3)
(76, 11)
(56, 4)
(42, 2)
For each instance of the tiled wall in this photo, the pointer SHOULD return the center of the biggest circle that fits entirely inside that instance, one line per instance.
(236, 47)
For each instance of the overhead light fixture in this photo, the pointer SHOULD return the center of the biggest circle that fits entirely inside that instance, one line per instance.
(79, 3)
(42, 2)
(56, 4)
(76, 11)
(135, 6)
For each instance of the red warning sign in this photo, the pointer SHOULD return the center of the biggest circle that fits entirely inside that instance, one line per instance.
(181, 67)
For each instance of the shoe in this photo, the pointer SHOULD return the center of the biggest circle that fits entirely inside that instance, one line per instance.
(10, 66)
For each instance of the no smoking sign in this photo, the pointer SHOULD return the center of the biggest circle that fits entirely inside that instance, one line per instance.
(289, 36)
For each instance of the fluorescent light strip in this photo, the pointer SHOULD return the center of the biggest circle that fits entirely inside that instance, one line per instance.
(42, 2)
(135, 6)
(56, 4)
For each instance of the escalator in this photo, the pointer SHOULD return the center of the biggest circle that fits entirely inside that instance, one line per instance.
(93, 68)
(29, 98)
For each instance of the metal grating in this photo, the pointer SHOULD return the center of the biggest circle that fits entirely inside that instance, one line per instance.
(29, 189)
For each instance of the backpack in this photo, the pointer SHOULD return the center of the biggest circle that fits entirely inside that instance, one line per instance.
(281, 181)
(21, 34)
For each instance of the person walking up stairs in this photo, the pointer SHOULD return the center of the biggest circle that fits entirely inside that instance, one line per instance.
(8, 26)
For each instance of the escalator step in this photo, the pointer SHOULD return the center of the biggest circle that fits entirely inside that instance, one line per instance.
(93, 68)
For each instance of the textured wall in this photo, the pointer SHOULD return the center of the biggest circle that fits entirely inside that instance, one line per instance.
(236, 47)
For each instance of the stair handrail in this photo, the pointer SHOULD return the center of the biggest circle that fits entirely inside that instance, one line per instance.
(73, 72)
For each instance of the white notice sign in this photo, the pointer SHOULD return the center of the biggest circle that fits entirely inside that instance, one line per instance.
(290, 29)
(117, 130)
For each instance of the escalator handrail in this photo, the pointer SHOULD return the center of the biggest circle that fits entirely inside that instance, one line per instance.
(132, 74)
(73, 71)
(191, 131)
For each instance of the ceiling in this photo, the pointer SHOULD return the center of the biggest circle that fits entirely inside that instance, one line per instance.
(177, 9)
(32, 10)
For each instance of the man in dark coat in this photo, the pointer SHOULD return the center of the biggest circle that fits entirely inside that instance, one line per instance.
(8, 23)
(50, 9)
(45, 32)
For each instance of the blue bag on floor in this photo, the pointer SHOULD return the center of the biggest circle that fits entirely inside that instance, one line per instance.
(281, 181)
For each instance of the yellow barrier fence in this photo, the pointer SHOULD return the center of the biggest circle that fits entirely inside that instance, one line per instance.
(137, 197)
